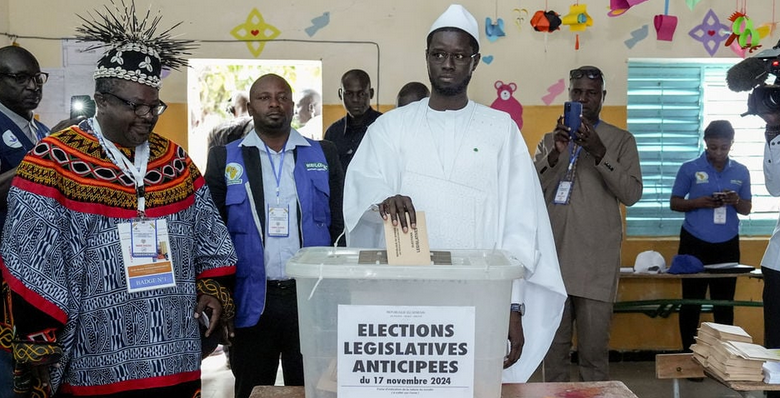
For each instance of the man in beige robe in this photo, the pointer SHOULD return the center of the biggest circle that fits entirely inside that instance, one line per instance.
(586, 175)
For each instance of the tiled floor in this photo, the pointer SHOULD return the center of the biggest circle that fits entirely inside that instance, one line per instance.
(216, 378)
(638, 376)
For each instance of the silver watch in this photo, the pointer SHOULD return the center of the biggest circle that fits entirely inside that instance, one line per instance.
(518, 308)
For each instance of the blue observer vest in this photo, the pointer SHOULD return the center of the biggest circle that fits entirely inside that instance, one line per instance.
(14, 144)
(311, 180)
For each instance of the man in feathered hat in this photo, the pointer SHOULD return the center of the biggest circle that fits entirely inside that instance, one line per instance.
(115, 252)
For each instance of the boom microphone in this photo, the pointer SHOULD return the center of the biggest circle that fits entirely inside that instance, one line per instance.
(746, 75)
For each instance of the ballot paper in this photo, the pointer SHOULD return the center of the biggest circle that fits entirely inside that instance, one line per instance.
(772, 372)
(408, 248)
(727, 352)
(709, 332)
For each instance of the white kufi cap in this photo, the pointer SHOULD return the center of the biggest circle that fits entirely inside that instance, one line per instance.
(457, 16)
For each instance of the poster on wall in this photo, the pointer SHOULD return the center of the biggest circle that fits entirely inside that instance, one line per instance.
(387, 351)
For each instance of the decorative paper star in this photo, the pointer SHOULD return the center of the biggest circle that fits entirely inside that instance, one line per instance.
(711, 32)
(253, 29)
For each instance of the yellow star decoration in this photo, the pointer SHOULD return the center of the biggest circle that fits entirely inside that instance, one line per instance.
(255, 28)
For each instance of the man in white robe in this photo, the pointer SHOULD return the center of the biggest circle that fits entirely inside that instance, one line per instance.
(466, 166)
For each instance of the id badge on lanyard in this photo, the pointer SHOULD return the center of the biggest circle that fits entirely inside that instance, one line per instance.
(563, 194)
(719, 215)
(278, 221)
(146, 253)
(143, 238)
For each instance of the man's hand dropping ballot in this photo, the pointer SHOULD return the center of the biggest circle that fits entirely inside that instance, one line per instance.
(408, 248)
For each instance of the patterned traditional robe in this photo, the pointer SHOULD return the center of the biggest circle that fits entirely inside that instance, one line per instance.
(64, 264)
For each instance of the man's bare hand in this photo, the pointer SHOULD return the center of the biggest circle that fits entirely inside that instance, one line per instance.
(214, 305)
(560, 142)
(516, 339)
(590, 141)
(396, 207)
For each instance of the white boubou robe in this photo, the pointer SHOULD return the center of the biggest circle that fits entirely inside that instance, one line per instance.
(472, 174)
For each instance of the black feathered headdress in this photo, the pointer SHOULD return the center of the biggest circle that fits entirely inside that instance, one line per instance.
(134, 51)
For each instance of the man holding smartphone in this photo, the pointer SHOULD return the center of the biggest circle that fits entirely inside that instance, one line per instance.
(586, 173)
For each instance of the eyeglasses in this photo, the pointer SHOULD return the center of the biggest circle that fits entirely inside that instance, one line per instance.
(439, 57)
(142, 109)
(23, 79)
(592, 74)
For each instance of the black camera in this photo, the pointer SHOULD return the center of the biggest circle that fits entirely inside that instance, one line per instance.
(751, 74)
(764, 99)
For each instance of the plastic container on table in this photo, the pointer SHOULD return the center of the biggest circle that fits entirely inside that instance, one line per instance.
(328, 277)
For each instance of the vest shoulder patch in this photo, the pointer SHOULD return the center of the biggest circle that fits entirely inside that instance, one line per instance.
(10, 140)
(233, 173)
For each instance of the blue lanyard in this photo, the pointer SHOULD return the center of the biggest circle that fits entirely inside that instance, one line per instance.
(277, 176)
(38, 133)
(573, 157)
(574, 154)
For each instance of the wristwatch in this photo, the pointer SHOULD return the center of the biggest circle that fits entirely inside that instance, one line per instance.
(518, 308)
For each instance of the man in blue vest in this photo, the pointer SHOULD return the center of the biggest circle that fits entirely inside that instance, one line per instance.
(277, 192)
(21, 82)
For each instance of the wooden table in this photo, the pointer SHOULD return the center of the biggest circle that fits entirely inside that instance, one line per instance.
(744, 385)
(598, 389)
(663, 307)
(676, 366)
(611, 389)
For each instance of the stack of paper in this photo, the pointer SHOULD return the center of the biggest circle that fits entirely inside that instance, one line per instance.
(701, 352)
(731, 363)
(728, 352)
(772, 372)
(711, 332)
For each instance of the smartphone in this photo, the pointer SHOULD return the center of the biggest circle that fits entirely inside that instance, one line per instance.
(571, 116)
(81, 105)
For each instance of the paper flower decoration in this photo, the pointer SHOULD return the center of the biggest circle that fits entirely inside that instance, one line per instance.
(577, 19)
(494, 31)
(665, 25)
(546, 21)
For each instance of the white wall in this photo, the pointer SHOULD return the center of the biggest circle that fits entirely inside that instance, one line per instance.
(531, 59)
(4, 22)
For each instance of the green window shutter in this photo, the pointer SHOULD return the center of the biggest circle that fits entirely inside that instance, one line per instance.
(669, 105)
(664, 115)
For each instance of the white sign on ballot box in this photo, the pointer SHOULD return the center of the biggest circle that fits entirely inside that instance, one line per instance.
(421, 351)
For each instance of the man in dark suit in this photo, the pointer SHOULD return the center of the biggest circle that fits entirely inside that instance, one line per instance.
(277, 192)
